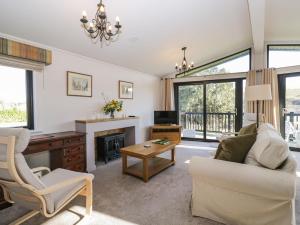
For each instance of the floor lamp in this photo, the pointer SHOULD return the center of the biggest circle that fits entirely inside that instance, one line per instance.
(258, 93)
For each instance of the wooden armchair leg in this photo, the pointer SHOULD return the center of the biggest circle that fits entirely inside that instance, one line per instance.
(89, 198)
(25, 218)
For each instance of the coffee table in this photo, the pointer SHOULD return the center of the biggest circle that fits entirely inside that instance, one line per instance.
(151, 164)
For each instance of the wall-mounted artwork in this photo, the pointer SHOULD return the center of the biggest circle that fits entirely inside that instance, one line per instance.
(125, 90)
(79, 84)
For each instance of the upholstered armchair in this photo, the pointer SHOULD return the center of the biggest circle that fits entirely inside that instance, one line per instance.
(37, 189)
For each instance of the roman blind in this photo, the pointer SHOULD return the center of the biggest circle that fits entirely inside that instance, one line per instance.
(22, 51)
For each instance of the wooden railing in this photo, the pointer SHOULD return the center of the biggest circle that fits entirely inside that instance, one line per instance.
(215, 122)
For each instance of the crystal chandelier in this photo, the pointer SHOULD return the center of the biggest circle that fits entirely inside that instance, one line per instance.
(184, 67)
(99, 26)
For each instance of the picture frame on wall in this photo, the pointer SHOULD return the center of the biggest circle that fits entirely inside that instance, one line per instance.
(125, 90)
(79, 84)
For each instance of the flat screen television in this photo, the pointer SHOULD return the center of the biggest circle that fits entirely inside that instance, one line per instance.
(165, 117)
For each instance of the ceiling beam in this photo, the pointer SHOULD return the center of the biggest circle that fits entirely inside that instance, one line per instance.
(257, 19)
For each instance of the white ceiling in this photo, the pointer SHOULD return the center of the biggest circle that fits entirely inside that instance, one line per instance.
(153, 31)
(282, 21)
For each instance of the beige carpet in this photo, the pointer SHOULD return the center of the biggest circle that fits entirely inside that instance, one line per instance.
(122, 199)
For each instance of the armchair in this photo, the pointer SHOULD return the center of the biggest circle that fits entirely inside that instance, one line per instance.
(46, 194)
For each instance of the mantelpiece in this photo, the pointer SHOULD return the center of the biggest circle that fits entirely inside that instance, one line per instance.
(93, 127)
(105, 119)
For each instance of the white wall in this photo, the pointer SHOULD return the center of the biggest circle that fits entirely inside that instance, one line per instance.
(55, 111)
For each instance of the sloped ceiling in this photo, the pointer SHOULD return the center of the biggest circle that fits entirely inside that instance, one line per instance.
(282, 21)
(153, 31)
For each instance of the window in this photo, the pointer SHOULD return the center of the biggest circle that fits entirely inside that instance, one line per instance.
(16, 97)
(238, 62)
(283, 55)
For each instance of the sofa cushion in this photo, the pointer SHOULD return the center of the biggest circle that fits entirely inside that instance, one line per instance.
(219, 149)
(235, 149)
(270, 150)
(250, 129)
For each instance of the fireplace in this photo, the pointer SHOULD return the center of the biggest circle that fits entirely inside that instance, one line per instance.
(101, 127)
(108, 146)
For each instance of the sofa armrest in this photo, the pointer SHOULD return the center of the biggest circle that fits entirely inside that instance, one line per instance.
(244, 178)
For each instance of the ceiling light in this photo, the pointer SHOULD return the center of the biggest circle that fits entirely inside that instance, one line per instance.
(99, 26)
(184, 67)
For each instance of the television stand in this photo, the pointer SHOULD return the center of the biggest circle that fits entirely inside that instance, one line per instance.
(164, 131)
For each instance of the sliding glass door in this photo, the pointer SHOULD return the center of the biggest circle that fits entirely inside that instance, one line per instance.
(289, 93)
(190, 110)
(207, 109)
(220, 108)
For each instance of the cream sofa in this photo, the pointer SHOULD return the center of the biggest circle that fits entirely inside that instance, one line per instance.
(245, 194)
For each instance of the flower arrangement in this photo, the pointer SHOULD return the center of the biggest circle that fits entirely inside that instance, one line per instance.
(112, 106)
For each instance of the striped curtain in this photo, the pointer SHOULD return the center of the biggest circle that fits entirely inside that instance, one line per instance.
(269, 109)
(23, 51)
(167, 93)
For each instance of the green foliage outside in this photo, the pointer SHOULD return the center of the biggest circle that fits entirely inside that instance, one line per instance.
(12, 115)
(219, 96)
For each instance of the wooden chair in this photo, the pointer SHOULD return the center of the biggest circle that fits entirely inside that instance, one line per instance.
(46, 194)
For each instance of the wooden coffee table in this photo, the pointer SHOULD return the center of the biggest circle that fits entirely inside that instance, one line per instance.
(151, 164)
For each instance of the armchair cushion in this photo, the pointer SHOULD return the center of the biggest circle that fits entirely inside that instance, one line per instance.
(235, 149)
(270, 149)
(22, 137)
(58, 198)
(250, 129)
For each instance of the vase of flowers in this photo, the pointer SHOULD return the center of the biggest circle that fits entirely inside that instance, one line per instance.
(112, 106)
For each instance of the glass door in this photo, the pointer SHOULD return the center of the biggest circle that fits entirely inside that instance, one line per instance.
(208, 109)
(191, 110)
(289, 92)
(220, 109)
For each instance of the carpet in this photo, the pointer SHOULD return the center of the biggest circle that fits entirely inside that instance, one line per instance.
(125, 200)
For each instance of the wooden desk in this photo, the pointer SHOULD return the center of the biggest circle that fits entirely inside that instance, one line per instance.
(67, 150)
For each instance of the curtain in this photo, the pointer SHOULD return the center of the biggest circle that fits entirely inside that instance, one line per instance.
(167, 94)
(269, 109)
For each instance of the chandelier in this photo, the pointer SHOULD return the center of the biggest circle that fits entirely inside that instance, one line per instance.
(99, 26)
(184, 67)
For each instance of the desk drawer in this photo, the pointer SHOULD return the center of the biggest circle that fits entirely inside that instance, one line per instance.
(75, 150)
(74, 141)
(77, 167)
(73, 159)
(45, 146)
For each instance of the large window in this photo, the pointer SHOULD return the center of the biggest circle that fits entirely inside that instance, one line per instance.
(238, 62)
(207, 109)
(16, 103)
(283, 55)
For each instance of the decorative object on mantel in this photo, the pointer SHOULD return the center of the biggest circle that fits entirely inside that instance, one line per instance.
(79, 84)
(24, 51)
(184, 67)
(112, 106)
(125, 90)
(99, 26)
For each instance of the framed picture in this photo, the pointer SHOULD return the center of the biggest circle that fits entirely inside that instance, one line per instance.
(125, 90)
(79, 84)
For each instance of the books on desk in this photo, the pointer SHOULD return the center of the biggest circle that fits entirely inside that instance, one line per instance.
(161, 142)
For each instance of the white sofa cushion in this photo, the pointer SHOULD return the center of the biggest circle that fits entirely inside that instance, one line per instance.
(270, 150)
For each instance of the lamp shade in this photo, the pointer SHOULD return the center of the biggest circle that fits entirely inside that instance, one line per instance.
(258, 92)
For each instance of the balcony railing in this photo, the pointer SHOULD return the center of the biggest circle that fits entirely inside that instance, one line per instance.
(216, 122)
(294, 119)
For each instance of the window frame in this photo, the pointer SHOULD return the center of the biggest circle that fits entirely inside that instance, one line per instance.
(29, 100)
(221, 60)
(279, 45)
